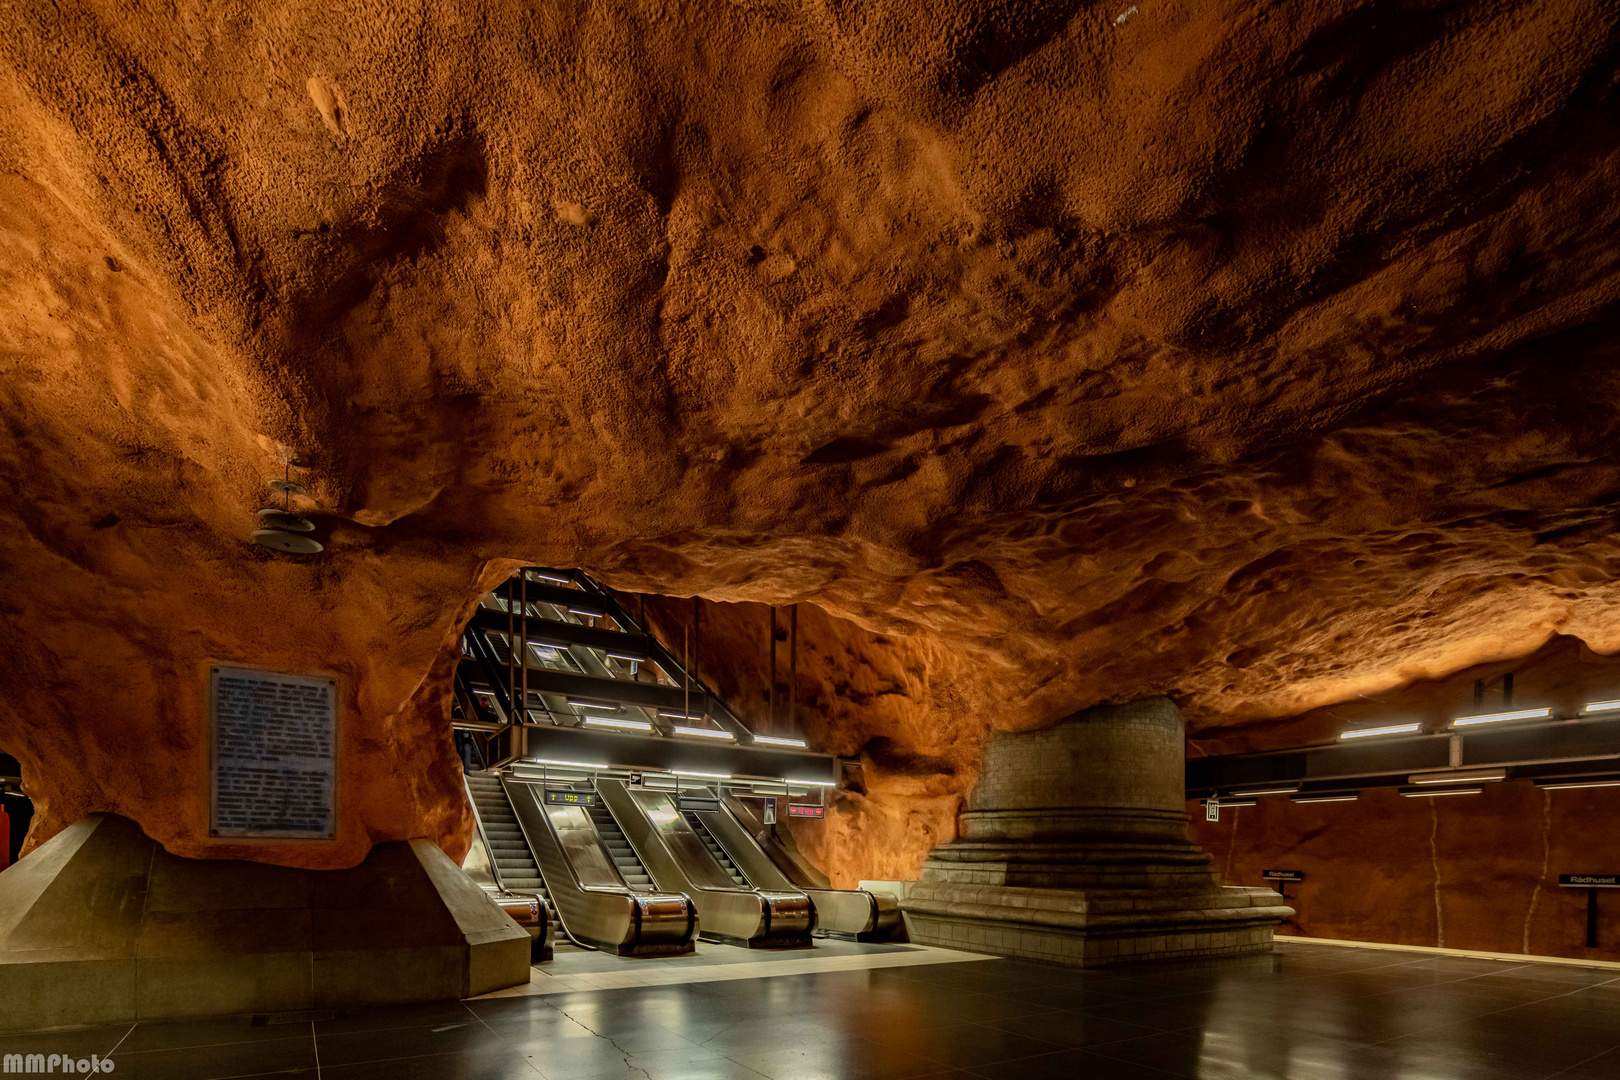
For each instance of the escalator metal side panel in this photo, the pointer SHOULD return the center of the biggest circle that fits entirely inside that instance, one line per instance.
(854, 914)
(479, 836)
(778, 843)
(677, 860)
(611, 917)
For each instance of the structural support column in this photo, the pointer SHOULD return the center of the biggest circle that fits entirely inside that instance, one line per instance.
(1074, 848)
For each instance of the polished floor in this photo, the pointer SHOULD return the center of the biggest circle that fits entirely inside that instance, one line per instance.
(1305, 1012)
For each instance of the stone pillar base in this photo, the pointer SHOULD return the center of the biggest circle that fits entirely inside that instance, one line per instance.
(1091, 929)
(100, 925)
(1074, 849)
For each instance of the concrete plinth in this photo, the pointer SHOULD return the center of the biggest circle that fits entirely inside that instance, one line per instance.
(1074, 848)
(101, 925)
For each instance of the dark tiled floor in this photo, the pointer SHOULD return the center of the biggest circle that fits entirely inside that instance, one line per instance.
(1302, 1013)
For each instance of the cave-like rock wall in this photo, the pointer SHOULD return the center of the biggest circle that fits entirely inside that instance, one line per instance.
(1260, 356)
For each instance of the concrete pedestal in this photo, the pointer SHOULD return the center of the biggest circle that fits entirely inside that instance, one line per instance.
(1074, 848)
(101, 925)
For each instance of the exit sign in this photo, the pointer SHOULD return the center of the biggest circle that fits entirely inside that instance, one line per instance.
(804, 810)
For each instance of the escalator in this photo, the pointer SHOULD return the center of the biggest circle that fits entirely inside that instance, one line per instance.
(624, 856)
(695, 820)
(510, 863)
(851, 914)
(596, 901)
(679, 859)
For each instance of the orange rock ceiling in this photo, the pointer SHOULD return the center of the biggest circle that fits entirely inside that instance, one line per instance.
(1047, 353)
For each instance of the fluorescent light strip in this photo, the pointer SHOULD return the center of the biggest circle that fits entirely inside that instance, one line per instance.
(590, 612)
(1415, 793)
(707, 733)
(815, 783)
(567, 764)
(592, 705)
(1267, 791)
(551, 577)
(1224, 803)
(1463, 776)
(702, 775)
(1499, 717)
(1600, 706)
(772, 740)
(1342, 796)
(614, 721)
(1564, 785)
(1388, 729)
(670, 715)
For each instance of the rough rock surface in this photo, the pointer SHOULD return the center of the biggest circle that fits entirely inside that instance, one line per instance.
(1261, 356)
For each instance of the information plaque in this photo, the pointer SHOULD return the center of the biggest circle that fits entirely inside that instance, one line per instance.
(274, 754)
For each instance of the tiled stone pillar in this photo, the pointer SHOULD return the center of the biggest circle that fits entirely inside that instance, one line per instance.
(1074, 848)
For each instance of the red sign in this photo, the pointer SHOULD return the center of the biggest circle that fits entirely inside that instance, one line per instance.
(804, 809)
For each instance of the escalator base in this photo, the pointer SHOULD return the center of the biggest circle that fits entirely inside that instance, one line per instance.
(756, 943)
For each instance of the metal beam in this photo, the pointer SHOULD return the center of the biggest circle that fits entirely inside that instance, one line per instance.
(547, 632)
(1561, 741)
(629, 751)
(569, 684)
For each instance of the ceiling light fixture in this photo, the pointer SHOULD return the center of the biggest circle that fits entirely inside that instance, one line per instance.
(592, 705)
(1326, 796)
(1423, 793)
(815, 783)
(1501, 717)
(702, 775)
(707, 733)
(614, 721)
(1224, 803)
(1600, 706)
(1287, 789)
(1578, 782)
(774, 740)
(1387, 729)
(565, 764)
(1461, 776)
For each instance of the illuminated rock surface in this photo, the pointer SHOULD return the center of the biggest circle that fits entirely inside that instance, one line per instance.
(1260, 359)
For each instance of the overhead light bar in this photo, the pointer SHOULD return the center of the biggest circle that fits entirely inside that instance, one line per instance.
(1287, 789)
(614, 721)
(1387, 729)
(1579, 782)
(773, 740)
(707, 733)
(1224, 803)
(1457, 776)
(1428, 792)
(702, 775)
(544, 576)
(593, 705)
(670, 714)
(565, 764)
(813, 783)
(1326, 796)
(1500, 717)
(1601, 706)
(592, 612)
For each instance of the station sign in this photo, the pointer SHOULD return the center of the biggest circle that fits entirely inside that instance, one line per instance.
(698, 804)
(810, 810)
(571, 798)
(1283, 875)
(1590, 881)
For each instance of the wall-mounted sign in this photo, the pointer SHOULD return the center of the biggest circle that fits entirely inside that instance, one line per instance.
(274, 754)
(1590, 881)
(1283, 875)
(698, 804)
(1212, 810)
(805, 809)
(571, 798)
